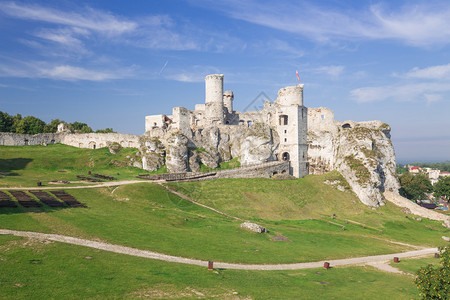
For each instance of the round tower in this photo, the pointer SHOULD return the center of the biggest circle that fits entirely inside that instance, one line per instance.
(228, 98)
(214, 99)
(291, 95)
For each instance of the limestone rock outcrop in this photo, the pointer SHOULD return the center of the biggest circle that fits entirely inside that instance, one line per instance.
(362, 152)
(177, 153)
(253, 227)
(251, 145)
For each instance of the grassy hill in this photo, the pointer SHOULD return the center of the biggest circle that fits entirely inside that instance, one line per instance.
(298, 214)
(25, 165)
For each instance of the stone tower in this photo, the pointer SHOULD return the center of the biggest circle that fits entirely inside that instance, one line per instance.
(214, 112)
(292, 128)
(228, 98)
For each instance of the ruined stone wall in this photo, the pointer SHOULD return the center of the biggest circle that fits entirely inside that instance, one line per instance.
(320, 118)
(182, 120)
(80, 140)
(257, 171)
(15, 139)
(154, 121)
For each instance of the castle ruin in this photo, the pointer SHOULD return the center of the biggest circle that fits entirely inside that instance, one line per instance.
(287, 116)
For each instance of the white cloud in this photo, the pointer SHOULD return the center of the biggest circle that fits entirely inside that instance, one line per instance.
(430, 92)
(89, 18)
(66, 38)
(184, 77)
(333, 71)
(153, 32)
(433, 72)
(285, 47)
(419, 25)
(59, 72)
(431, 98)
(71, 73)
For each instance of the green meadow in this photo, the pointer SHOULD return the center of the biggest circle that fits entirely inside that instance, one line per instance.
(307, 220)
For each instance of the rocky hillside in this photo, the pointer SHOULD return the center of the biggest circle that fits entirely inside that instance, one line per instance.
(210, 146)
(362, 152)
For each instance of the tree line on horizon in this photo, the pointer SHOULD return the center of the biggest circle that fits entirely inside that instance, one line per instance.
(34, 125)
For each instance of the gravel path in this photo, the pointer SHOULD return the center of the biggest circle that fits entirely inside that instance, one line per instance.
(58, 187)
(170, 258)
(384, 266)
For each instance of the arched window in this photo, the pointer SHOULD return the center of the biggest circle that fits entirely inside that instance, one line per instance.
(285, 156)
(283, 119)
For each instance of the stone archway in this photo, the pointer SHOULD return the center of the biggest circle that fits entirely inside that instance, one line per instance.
(285, 156)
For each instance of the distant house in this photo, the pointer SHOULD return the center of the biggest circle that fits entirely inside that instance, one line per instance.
(433, 174)
(444, 174)
(415, 169)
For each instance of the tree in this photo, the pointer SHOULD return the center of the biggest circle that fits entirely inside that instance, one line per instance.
(86, 129)
(30, 125)
(415, 187)
(16, 120)
(106, 130)
(434, 282)
(6, 122)
(442, 188)
(81, 127)
(52, 127)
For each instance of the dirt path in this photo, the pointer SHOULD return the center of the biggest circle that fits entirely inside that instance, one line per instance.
(386, 267)
(58, 187)
(170, 258)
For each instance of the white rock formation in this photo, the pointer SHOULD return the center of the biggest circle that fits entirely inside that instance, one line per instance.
(253, 227)
(361, 152)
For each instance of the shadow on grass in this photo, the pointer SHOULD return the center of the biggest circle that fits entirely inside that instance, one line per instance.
(9, 164)
(21, 210)
(38, 201)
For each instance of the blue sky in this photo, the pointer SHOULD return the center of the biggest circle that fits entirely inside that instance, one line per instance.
(111, 63)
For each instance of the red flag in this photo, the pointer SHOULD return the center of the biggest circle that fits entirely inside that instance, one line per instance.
(298, 77)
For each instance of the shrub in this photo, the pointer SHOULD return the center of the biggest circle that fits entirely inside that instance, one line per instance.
(434, 282)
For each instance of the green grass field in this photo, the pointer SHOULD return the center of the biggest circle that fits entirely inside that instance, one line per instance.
(40, 270)
(24, 166)
(297, 214)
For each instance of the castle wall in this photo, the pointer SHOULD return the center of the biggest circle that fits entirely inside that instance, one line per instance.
(80, 140)
(250, 117)
(182, 120)
(16, 139)
(154, 121)
(320, 118)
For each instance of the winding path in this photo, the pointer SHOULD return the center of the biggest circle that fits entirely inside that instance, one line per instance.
(58, 187)
(222, 265)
